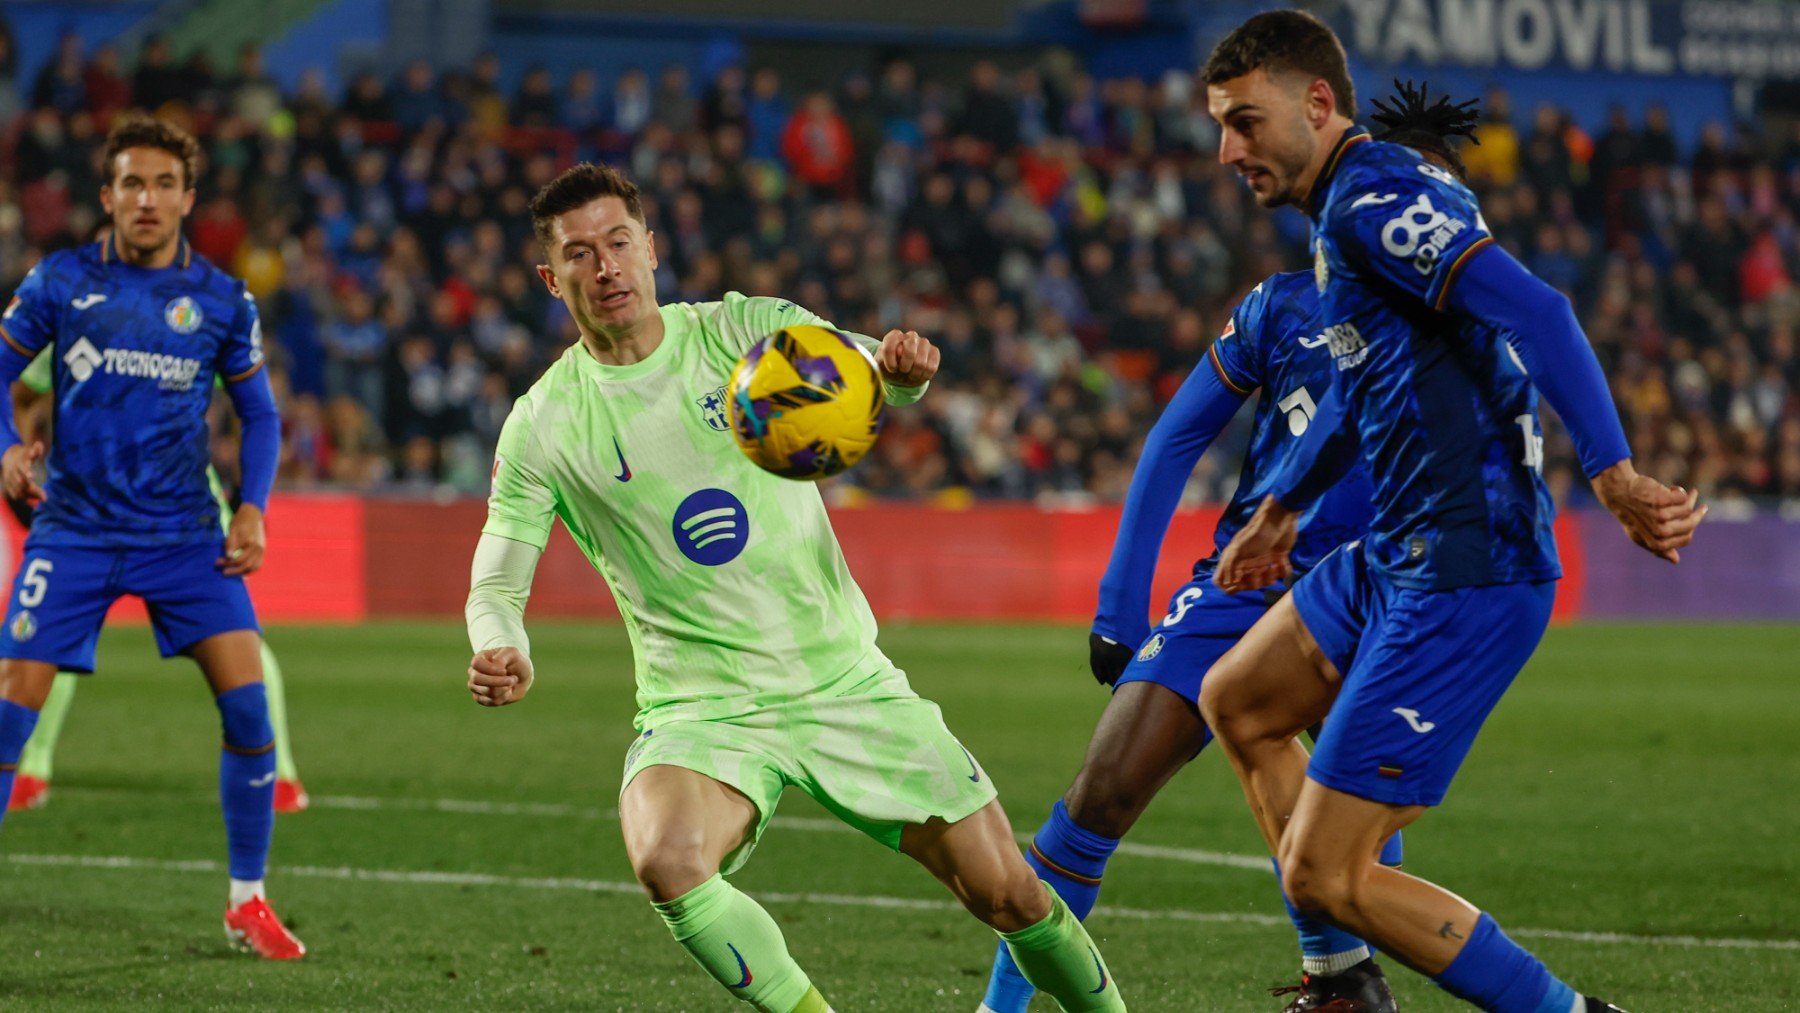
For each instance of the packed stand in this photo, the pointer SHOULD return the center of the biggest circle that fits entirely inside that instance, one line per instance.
(1071, 244)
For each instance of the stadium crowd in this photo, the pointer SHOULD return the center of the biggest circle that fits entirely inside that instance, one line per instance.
(1071, 244)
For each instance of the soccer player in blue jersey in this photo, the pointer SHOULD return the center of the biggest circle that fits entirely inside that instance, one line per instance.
(1152, 727)
(140, 326)
(1409, 636)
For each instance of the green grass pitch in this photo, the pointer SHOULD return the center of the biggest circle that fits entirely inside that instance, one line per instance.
(1630, 813)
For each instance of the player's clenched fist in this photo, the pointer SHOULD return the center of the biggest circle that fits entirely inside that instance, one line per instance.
(906, 359)
(499, 676)
(17, 472)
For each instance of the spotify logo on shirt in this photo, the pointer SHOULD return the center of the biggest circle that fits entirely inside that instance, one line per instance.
(711, 527)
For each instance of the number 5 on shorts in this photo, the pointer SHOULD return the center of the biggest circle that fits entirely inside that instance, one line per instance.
(35, 584)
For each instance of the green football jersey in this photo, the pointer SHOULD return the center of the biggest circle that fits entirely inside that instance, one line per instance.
(732, 587)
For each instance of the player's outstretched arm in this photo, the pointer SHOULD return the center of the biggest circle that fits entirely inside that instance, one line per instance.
(1541, 327)
(1195, 416)
(499, 586)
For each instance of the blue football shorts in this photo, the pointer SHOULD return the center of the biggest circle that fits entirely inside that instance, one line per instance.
(61, 594)
(1202, 623)
(1422, 670)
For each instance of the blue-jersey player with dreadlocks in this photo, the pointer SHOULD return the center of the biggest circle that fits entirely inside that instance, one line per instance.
(1272, 343)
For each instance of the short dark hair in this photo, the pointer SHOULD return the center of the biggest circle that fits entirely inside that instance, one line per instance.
(577, 186)
(140, 130)
(1285, 41)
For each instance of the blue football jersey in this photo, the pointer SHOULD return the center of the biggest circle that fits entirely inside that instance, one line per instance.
(1274, 342)
(135, 353)
(1445, 414)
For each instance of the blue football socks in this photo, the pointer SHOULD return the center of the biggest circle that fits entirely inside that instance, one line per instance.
(16, 723)
(247, 779)
(1496, 974)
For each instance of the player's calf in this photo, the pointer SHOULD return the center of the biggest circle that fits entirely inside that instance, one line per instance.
(735, 941)
(247, 786)
(24, 685)
(16, 723)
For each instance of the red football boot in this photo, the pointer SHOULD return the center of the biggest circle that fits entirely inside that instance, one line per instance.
(290, 796)
(252, 926)
(28, 792)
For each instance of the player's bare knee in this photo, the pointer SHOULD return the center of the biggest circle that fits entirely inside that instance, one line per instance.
(1010, 902)
(670, 864)
(1231, 722)
(665, 878)
(26, 683)
(1316, 883)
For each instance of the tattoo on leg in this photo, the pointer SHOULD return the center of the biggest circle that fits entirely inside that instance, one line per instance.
(1449, 931)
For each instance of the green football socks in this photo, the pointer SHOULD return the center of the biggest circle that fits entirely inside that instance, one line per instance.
(40, 752)
(1059, 957)
(284, 753)
(735, 941)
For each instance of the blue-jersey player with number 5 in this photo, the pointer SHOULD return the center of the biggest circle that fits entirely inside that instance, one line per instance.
(139, 327)
(1409, 636)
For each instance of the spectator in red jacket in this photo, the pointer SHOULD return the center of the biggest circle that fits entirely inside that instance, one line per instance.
(817, 146)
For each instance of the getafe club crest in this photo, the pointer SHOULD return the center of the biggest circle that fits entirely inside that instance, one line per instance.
(712, 408)
(182, 316)
(1320, 274)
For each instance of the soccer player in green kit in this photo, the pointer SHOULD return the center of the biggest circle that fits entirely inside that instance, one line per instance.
(31, 788)
(755, 651)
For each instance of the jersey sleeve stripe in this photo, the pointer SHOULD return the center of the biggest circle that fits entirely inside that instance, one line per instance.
(1455, 268)
(245, 375)
(1236, 388)
(14, 342)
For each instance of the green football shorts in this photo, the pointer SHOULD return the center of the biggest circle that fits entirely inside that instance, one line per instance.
(879, 757)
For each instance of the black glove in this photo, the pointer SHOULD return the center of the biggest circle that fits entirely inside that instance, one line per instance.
(1108, 658)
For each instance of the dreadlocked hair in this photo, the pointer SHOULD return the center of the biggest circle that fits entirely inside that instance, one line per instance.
(1409, 117)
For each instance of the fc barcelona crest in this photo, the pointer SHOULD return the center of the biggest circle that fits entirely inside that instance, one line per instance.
(712, 408)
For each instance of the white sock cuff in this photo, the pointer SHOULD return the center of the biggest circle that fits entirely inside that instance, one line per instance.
(1336, 963)
(244, 890)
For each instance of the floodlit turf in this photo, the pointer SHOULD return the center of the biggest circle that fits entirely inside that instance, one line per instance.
(1639, 780)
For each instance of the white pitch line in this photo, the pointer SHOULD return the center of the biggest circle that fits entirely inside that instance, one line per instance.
(1255, 863)
(433, 878)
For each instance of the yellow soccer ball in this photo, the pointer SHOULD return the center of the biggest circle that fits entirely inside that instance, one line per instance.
(805, 402)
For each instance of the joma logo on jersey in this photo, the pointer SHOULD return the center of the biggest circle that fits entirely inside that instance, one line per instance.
(171, 372)
(712, 409)
(1348, 349)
